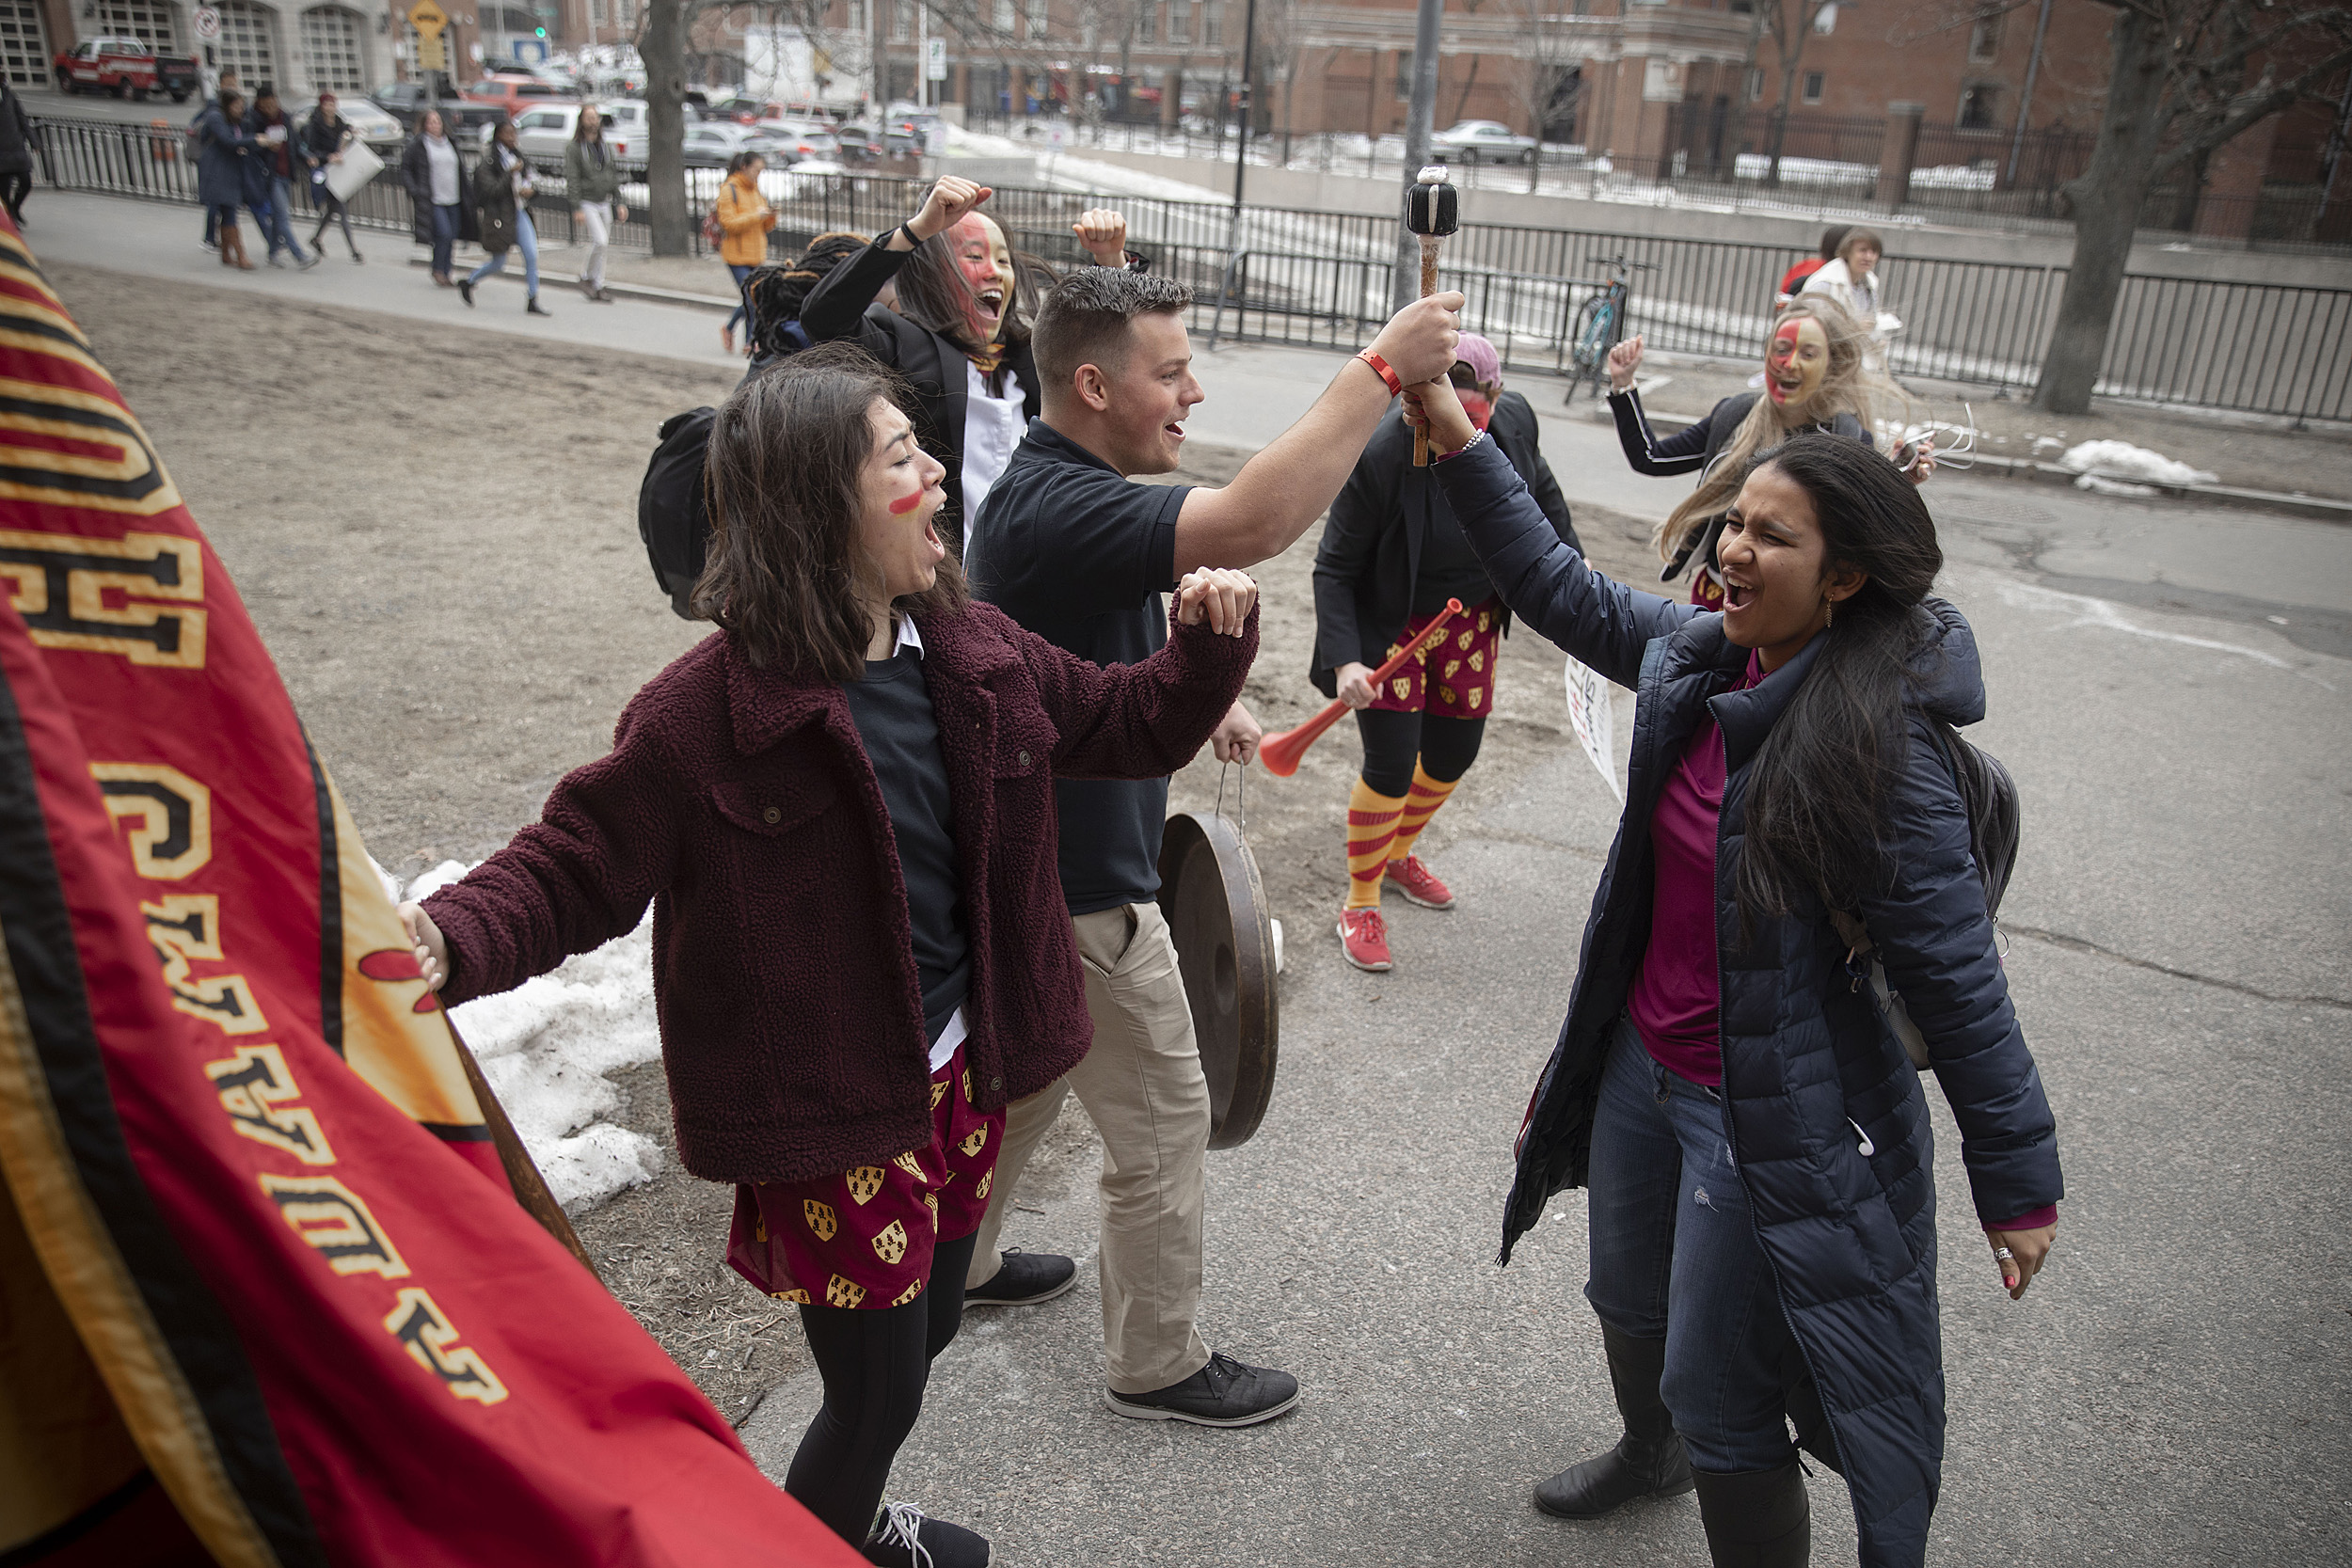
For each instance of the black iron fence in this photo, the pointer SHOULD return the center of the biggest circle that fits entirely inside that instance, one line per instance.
(1324, 280)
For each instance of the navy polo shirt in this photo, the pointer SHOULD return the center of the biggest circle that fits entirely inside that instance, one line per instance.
(1080, 554)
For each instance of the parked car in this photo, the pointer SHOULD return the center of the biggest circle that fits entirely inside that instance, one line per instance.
(127, 67)
(805, 138)
(406, 101)
(542, 131)
(909, 133)
(859, 141)
(744, 111)
(713, 143)
(377, 127)
(1482, 141)
(513, 93)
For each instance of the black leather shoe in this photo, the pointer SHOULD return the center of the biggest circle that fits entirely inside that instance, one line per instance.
(1224, 1393)
(1756, 1518)
(1026, 1279)
(1647, 1461)
(904, 1537)
(533, 307)
(465, 290)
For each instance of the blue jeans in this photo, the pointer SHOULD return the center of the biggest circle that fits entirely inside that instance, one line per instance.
(444, 238)
(743, 302)
(1675, 1257)
(277, 225)
(526, 241)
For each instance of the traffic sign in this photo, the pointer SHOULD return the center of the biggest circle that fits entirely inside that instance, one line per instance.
(427, 19)
(432, 52)
(935, 60)
(206, 22)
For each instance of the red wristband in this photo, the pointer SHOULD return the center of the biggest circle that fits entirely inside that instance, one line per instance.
(1380, 368)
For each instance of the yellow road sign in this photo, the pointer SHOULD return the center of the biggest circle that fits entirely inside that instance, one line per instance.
(427, 19)
(432, 52)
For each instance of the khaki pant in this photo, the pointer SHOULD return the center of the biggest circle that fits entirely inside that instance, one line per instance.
(1141, 1082)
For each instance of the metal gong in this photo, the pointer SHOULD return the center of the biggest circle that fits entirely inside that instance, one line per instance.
(1216, 913)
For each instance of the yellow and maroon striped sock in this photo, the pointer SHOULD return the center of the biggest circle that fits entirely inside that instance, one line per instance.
(1372, 820)
(1420, 804)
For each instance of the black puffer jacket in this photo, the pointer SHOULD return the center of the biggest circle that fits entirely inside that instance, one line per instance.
(1810, 1068)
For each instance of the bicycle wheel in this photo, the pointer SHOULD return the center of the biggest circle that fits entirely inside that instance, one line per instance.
(1594, 335)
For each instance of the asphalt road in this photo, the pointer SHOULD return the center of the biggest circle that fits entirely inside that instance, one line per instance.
(2169, 687)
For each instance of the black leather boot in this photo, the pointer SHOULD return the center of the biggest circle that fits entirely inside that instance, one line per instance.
(1647, 1461)
(1757, 1518)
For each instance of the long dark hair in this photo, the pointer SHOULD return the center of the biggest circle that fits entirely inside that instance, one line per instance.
(933, 292)
(1815, 798)
(779, 290)
(788, 453)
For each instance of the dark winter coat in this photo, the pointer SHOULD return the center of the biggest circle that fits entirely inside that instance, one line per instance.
(1370, 556)
(588, 177)
(222, 145)
(1810, 1068)
(317, 142)
(415, 175)
(494, 204)
(741, 804)
(842, 305)
(17, 137)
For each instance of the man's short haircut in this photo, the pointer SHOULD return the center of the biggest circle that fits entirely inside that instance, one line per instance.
(1085, 318)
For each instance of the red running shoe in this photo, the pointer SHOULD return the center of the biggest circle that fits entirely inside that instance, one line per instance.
(1364, 940)
(1419, 884)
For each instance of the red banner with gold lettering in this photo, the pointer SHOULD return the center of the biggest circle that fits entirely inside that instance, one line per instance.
(264, 1284)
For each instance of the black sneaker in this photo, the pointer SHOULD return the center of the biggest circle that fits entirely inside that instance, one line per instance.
(1026, 1279)
(465, 291)
(1224, 1393)
(904, 1537)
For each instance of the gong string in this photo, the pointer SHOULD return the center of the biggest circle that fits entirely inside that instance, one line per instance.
(1241, 804)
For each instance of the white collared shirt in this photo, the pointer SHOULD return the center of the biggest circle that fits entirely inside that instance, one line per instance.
(992, 426)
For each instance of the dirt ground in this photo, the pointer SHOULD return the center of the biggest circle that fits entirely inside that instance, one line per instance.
(435, 532)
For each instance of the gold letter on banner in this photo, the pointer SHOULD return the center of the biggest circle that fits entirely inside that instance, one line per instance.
(59, 583)
(330, 1217)
(427, 1335)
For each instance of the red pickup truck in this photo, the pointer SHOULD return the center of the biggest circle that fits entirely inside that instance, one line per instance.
(127, 67)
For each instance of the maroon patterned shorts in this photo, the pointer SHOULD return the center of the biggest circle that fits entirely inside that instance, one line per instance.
(1453, 678)
(864, 1238)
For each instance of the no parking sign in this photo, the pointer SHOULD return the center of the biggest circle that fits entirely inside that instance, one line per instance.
(206, 22)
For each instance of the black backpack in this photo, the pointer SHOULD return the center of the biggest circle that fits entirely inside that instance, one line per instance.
(673, 514)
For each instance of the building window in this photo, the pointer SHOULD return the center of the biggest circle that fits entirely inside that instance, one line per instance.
(1979, 108)
(857, 16)
(1212, 24)
(1813, 87)
(1179, 21)
(1004, 16)
(1825, 19)
(599, 14)
(902, 20)
(1038, 18)
(1147, 23)
(1984, 40)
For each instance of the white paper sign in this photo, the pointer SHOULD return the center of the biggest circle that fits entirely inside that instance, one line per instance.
(1593, 715)
(359, 165)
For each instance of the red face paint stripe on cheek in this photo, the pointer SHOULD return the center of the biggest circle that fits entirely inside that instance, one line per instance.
(905, 504)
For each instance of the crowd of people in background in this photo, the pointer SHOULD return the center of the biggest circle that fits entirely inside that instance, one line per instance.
(251, 156)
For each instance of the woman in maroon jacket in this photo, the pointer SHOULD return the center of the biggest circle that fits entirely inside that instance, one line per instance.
(841, 809)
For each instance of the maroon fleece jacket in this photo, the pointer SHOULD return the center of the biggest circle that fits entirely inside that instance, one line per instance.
(741, 804)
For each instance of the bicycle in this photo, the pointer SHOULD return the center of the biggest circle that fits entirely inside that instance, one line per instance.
(1600, 325)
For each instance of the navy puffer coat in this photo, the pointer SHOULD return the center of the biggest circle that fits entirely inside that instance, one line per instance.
(1807, 1061)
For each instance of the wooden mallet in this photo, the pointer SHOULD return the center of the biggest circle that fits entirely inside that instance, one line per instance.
(1433, 210)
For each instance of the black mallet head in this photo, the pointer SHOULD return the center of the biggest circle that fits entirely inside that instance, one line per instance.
(1432, 205)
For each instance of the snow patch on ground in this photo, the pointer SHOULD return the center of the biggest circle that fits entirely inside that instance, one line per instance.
(547, 1047)
(2121, 460)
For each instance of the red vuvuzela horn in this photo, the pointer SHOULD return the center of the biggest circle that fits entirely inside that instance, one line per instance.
(1280, 752)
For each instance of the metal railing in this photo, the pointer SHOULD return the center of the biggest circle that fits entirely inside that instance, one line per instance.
(1323, 279)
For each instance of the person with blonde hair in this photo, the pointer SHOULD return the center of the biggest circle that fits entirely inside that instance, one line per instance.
(1816, 377)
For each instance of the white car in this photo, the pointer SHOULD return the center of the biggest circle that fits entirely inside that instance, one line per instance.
(1482, 141)
(803, 138)
(542, 132)
(375, 127)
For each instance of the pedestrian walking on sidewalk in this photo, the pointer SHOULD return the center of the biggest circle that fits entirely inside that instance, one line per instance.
(276, 157)
(439, 214)
(18, 142)
(592, 178)
(1793, 279)
(222, 145)
(324, 136)
(744, 221)
(1755, 1138)
(224, 84)
(840, 808)
(501, 195)
(1852, 280)
(1391, 557)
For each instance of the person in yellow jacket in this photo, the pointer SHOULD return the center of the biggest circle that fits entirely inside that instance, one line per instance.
(744, 219)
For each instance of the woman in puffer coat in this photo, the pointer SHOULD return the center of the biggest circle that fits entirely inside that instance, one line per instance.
(1753, 1136)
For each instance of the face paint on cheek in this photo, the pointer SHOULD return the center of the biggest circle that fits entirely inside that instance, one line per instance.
(901, 505)
(1477, 407)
